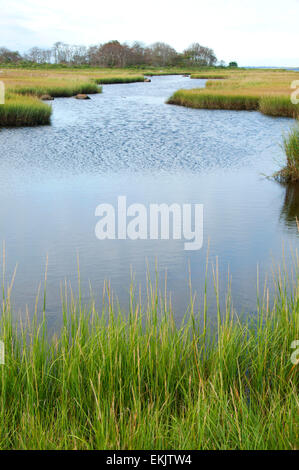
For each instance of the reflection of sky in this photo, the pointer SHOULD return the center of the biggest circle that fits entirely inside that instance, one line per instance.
(49, 193)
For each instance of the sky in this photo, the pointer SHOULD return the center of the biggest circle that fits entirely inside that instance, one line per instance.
(252, 32)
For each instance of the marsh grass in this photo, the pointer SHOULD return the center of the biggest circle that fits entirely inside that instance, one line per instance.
(22, 106)
(66, 90)
(24, 111)
(268, 91)
(204, 100)
(290, 173)
(209, 76)
(136, 380)
(114, 80)
(278, 106)
(240, 89)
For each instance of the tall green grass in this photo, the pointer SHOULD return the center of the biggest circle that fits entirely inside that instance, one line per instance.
(114, 80)
(23, 108)
(204, 100)
(278, 106)
(136, 380)
(67, 90)
(24, 111)
(290, 173)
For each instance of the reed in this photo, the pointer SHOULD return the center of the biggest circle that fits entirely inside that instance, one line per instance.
(290, 173)
(203, 100)
(136, 380)
(278, 106)
(67, 90)
(22, 106)
(24, 111)
(210, 76)
(119, 79)
(268, 91)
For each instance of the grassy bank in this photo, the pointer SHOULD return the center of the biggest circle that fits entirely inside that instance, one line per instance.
(203, 100)
(278, 106)
(24, 111)
(208, 76)
(290, 173)
(58, 90)
(241, 88)
(24, 85)
(137, 381)
(268, 91)
(114, 80)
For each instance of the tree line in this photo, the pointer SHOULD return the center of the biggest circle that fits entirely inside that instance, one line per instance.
(114, 54)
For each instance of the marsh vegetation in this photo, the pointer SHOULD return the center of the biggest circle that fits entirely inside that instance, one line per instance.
(24, 111)
(268, 91)
(234, 89)
(136, 380)
(110, 377)
(290, 173)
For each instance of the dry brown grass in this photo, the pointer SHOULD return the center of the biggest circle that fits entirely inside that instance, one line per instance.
(40, 78)
(252, 82)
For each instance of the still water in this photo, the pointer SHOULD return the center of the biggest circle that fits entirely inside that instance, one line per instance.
(127, 141)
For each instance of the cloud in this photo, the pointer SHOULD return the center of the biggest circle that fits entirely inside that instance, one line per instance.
(252, 32)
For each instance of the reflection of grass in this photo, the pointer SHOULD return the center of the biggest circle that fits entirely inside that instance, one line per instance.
(136, 381)
(290, 173)
(290, 209)
(24, 111)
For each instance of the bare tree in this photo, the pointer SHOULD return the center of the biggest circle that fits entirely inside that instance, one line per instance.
(79, 55)
(162, 54)
(62, 53)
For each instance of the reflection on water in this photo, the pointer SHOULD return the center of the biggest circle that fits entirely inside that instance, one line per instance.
(290, 209)
(127, 141)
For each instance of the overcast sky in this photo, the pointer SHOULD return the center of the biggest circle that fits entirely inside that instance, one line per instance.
(253, 32)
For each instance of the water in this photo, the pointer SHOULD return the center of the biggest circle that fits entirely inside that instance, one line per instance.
(127, 141)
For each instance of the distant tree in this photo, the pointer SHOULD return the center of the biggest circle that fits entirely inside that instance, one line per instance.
(79, 55)
(110, 54)
(92, 55)
(233, 64)
(138, 54)
(199, 55)
(7, 56)
(162, 54)
(38, 56)
(222, 63)
(115, 54)
(62, 53)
